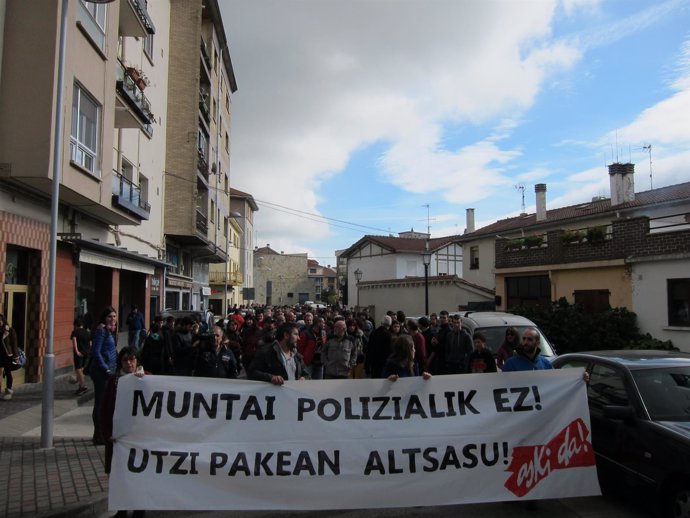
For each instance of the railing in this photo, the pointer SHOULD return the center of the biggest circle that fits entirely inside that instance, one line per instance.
(203, 107)
(141, 8)
(232, 278)
(205, 54)
(672, 223)
(202, 164)
(201, 222)
(135, 98)
(128, 195)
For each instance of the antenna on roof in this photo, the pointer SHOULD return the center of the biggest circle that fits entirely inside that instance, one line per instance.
(520, 187)
(648, 147)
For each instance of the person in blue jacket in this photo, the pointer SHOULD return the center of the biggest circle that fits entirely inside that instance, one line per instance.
(527, 357)
(103, 364)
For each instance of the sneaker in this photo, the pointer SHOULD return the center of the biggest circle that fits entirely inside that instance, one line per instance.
(9, 391)
(6, 396)
(80, 391)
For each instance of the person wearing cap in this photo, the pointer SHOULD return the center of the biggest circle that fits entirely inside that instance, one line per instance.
(378, 349)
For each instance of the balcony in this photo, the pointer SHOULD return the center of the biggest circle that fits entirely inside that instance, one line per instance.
(623, 239)
(202, 164)
(127, 196)
(133, 109)
(205, 54)
(203, 107)
(232, 278)
(201, 223)
(134, 19)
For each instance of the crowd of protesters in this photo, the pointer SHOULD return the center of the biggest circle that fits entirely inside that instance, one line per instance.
(276, 344)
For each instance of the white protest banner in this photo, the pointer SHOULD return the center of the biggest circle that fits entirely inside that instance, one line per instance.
(205, 444)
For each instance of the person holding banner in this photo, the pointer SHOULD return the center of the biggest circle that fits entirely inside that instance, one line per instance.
(126, 364)
(279, 361)
(401, 363)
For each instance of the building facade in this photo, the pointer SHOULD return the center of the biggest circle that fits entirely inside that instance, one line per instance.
(197, 174)
(109, 163)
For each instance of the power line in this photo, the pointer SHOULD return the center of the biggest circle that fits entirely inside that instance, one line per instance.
(289, 210)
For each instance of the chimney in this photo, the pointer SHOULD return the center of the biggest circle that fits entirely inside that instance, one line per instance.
(622, 180)
(470, 221)
(540, 190)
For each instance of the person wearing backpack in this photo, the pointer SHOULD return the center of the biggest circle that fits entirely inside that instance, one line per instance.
(457, 347)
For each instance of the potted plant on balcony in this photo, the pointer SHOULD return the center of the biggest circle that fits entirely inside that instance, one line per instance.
(596, 234)
(572, 236)
(532, 241)
(514, 244)
(138, 77)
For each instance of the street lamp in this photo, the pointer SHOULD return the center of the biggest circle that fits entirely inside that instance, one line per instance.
(426, 257)
(48, 391)
(358, 276)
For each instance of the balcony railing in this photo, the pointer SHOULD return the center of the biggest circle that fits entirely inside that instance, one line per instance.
(135, 99)
(135, 19)
(205, 54)
(127, 196)
(201, 222)
(232, 278)
(203, 107)
(202, 164)
(672, 223)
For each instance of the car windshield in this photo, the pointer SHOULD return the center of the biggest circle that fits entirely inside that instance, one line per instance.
(665, 392)
(496, 335)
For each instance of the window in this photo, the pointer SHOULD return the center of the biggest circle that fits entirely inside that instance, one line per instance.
(606, 387)
(227, 102)
(143, 189)
(92, 18)
(214, 109)
(215, 58)
(225, 227)
(474, 258)
(227, 142)
(592, 301)
(212, 212)
(678, 302)
(148, 46)
(86, 120)
(528, 291)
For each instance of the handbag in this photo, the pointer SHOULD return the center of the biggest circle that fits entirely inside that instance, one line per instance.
(18, 361)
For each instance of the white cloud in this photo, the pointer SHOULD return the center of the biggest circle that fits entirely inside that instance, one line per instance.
(319, 81)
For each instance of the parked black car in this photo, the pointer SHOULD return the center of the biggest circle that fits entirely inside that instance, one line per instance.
(639, 404)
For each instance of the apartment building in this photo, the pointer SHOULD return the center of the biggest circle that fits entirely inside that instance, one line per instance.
(242, 207)
(197, 219)
(110, 168)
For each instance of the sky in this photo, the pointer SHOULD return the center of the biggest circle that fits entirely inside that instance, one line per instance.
(374, 117)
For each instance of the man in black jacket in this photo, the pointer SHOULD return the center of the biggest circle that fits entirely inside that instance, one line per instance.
(279, 361)
(215, 359)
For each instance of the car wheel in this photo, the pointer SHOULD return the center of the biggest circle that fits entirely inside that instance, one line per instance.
(679, 502)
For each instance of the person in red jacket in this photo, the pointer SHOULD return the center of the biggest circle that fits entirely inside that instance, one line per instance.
(311, 341)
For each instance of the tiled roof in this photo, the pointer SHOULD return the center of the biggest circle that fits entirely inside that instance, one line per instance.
(240, 194)
(402, 244)
(265, 250)
(581, 210)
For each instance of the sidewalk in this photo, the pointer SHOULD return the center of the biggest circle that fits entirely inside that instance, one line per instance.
(65, 480)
